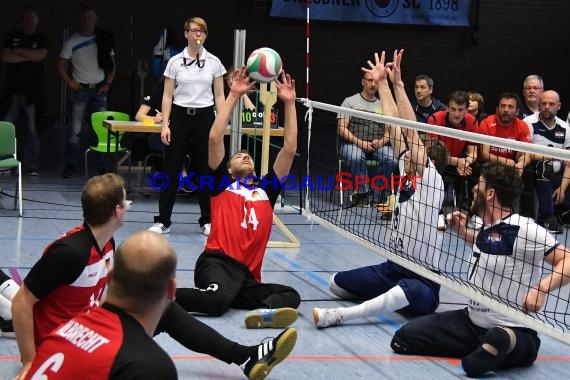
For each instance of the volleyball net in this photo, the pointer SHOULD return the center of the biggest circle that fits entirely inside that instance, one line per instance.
(380, 216)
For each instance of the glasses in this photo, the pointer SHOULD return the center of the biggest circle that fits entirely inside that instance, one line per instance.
(533, 88)
(195, 30)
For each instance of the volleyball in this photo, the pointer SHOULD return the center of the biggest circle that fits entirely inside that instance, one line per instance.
(264, 65)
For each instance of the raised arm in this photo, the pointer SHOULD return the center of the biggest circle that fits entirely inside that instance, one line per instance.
(241, 84)
(415, 144)
(285, 157)
(389, 106)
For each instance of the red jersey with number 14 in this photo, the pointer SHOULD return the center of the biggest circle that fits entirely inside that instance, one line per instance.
(241, 223)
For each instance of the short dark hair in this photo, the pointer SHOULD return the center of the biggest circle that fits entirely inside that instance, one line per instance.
(459, 97)
(100, 196)
(437, 152)
(426, 78)
(509, 95)
(505, 180)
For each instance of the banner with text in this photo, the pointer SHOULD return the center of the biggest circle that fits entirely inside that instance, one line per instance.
(419, 12)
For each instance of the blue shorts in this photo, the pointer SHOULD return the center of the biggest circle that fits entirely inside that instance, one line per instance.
(372, 281)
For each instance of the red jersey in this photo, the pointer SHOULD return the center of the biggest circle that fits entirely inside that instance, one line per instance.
(517, 130)
(455, 147)
(242, 218)
(69, 279)
(105, 343)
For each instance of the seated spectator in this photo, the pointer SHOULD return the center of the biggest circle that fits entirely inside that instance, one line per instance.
(425, 105)
(533, 86)
(476, 105)
(547, 129)
(462, 154)
(505, 124)
(363, 140)
(151, 106)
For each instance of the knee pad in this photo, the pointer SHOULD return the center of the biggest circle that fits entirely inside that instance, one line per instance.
(337, 290)
(398, 345)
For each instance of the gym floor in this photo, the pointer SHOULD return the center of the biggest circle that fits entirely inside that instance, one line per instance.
(358, 349)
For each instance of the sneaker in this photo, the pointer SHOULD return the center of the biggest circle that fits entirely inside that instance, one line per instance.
(7, 328)
(361, 199)
(206, 228)
(441, 222)
(551, 224)
(387, 208)
(270, 353)
(276, 318)
(32, 172)
(326, 317)
(159, 228)
(69, 172)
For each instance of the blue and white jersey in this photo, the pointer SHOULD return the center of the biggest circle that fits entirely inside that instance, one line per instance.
(507, 260)
(414, 221)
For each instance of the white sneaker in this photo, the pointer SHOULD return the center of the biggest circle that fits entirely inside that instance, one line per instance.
(206, 228)
(326, 317)
(441, 222)
(159, 228)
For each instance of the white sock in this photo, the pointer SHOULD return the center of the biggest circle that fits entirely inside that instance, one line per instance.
(9, 288)
(394, 299)
(338, 291)
(5, 308)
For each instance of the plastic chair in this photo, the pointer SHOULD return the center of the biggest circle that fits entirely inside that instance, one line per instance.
(102, 133)
(8, 158)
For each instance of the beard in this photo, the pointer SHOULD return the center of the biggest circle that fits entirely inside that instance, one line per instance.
(244, 171)
(478, 205)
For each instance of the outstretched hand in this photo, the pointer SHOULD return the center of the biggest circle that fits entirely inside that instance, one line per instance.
(286, 87)
(241, 82)
(394, 68)
(377, 69)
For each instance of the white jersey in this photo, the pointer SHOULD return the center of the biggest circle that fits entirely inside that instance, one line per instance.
(507, 259)
(414, 221)
(82, 51)
(193, 82)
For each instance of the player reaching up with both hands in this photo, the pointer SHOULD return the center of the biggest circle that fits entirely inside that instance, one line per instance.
(388, 286)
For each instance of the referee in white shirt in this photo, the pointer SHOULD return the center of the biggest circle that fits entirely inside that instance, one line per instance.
(193, 84)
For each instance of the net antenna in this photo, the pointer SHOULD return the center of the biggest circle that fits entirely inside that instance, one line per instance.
(364, 226)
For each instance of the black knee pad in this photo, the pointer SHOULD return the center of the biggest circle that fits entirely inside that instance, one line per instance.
(398, 343)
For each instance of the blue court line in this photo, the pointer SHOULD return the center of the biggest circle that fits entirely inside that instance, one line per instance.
(295, 265)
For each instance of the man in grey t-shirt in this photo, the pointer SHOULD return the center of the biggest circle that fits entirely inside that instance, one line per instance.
(362, 140)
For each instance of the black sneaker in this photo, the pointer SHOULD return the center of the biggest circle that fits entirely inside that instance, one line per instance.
(7, 328)
(551, 224)
(270, 353)
(361, 199)
(69, 172)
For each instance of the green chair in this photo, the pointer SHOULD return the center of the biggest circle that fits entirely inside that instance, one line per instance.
(102, 133)
(8, 158)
